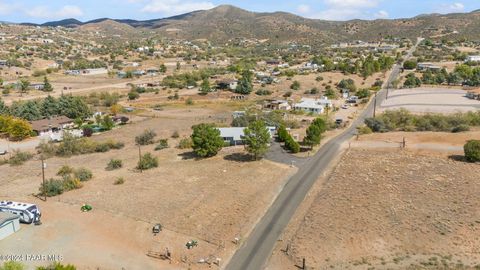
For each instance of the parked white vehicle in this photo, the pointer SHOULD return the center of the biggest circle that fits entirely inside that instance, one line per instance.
(28, 212)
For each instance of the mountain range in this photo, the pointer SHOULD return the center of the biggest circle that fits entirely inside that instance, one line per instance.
(227, 22)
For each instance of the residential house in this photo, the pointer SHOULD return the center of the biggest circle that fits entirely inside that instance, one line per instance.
(473, 58)
(234, 135)
(52, 125)
(38, 86)
(310, 105)
(428, 66)
(277, 104)
(227, 84)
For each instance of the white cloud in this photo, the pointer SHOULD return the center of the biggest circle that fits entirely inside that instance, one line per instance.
(174, 7)
(451, 8)
(382, 14)
(303, 9)
(340, 10)
(352, 3)
(7, 8)
(46, 13)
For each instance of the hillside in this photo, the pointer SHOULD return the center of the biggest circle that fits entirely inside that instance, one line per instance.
(228, 22)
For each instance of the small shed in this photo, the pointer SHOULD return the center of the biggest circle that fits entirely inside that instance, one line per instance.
(9, 224)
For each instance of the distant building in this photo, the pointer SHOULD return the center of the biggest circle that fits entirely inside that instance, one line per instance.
(227, 84)
(473, 58)
(38, 86)
(428, 66)
(235, 135)
(277, 104)
(315, 106)
(52, 125)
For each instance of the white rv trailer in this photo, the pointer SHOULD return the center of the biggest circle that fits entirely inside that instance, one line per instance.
(27, 212)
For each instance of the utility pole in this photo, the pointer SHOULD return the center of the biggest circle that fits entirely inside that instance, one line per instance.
(43, 180)
(140, 158)
(375, 105)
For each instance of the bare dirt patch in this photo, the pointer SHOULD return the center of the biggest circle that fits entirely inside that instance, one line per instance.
(388, 210)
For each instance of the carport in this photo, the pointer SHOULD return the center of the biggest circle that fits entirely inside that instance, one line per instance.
(9, 224)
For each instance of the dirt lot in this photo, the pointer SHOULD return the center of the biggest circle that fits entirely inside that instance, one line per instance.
(212, 201)
(434, 100)
(387, 209)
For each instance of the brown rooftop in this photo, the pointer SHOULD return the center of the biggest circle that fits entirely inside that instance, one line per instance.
(46, 124)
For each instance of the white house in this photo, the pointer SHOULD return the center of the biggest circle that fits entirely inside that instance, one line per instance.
(473, 58)
(310, 105)
(234, 135)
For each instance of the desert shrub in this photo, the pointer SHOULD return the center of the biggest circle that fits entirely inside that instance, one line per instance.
(147, 137)
(460, 128)
(376, 125)
(263, 92)
(114, 164)
(364, 130)
(71, 146)
(405, 121)
(46, 149)
(472, 150)
(65, 170)
(162, 144)
(175, 134)
(57, 266)
(52, 187)
(189, 101)
(19, 157)
(185, 143)
(83, 174)
(147, 161)
(12, 265)
(71, 184)
(119, 181)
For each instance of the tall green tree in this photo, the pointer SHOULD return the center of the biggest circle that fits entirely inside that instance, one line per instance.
(24, 85)
(47, 87)
(49, 107)
(257, 138)
(205, 87)
(245, 86)
(206, 140)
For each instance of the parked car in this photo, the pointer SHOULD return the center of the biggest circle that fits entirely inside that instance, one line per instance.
(344, 106)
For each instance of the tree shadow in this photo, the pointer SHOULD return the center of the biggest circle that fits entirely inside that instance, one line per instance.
(458, 158)
(239, 157)
(188, 155)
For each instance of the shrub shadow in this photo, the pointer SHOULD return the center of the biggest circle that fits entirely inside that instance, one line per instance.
(239, 157)
(188, 155)
(458, 158)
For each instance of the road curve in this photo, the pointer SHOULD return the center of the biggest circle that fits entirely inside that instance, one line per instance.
(257, 248)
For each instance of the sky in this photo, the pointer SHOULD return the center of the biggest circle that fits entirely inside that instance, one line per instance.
(41, 11)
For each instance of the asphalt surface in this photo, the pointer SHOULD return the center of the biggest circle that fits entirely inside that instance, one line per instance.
(257, 248)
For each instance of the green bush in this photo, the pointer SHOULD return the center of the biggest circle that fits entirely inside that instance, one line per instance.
(57, 266)
(292, 145)
(162, 144)
(364, 130)
(11, 265)
(19, 157)
(147, 137)
(83, 174)
(52, 187)
(461, 128)
(472, 150)
(71, 146)
(185, 143)
(65, 170)
(119, 181)
(147, 161)
(114, 164)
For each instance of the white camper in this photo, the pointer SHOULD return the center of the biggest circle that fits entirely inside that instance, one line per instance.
(27, 212)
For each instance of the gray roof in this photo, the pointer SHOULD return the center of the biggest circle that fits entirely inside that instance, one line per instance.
(7, 216)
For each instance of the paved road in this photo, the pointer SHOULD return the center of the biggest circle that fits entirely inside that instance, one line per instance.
(256, 250)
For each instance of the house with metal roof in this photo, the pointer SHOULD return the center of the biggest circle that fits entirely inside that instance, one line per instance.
(9, 224)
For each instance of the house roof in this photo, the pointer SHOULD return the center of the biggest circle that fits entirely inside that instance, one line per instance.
(7, 216)
(312, 103)
(232, 132)
(53, 122)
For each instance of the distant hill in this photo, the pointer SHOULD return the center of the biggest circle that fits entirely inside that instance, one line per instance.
(227, 22)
